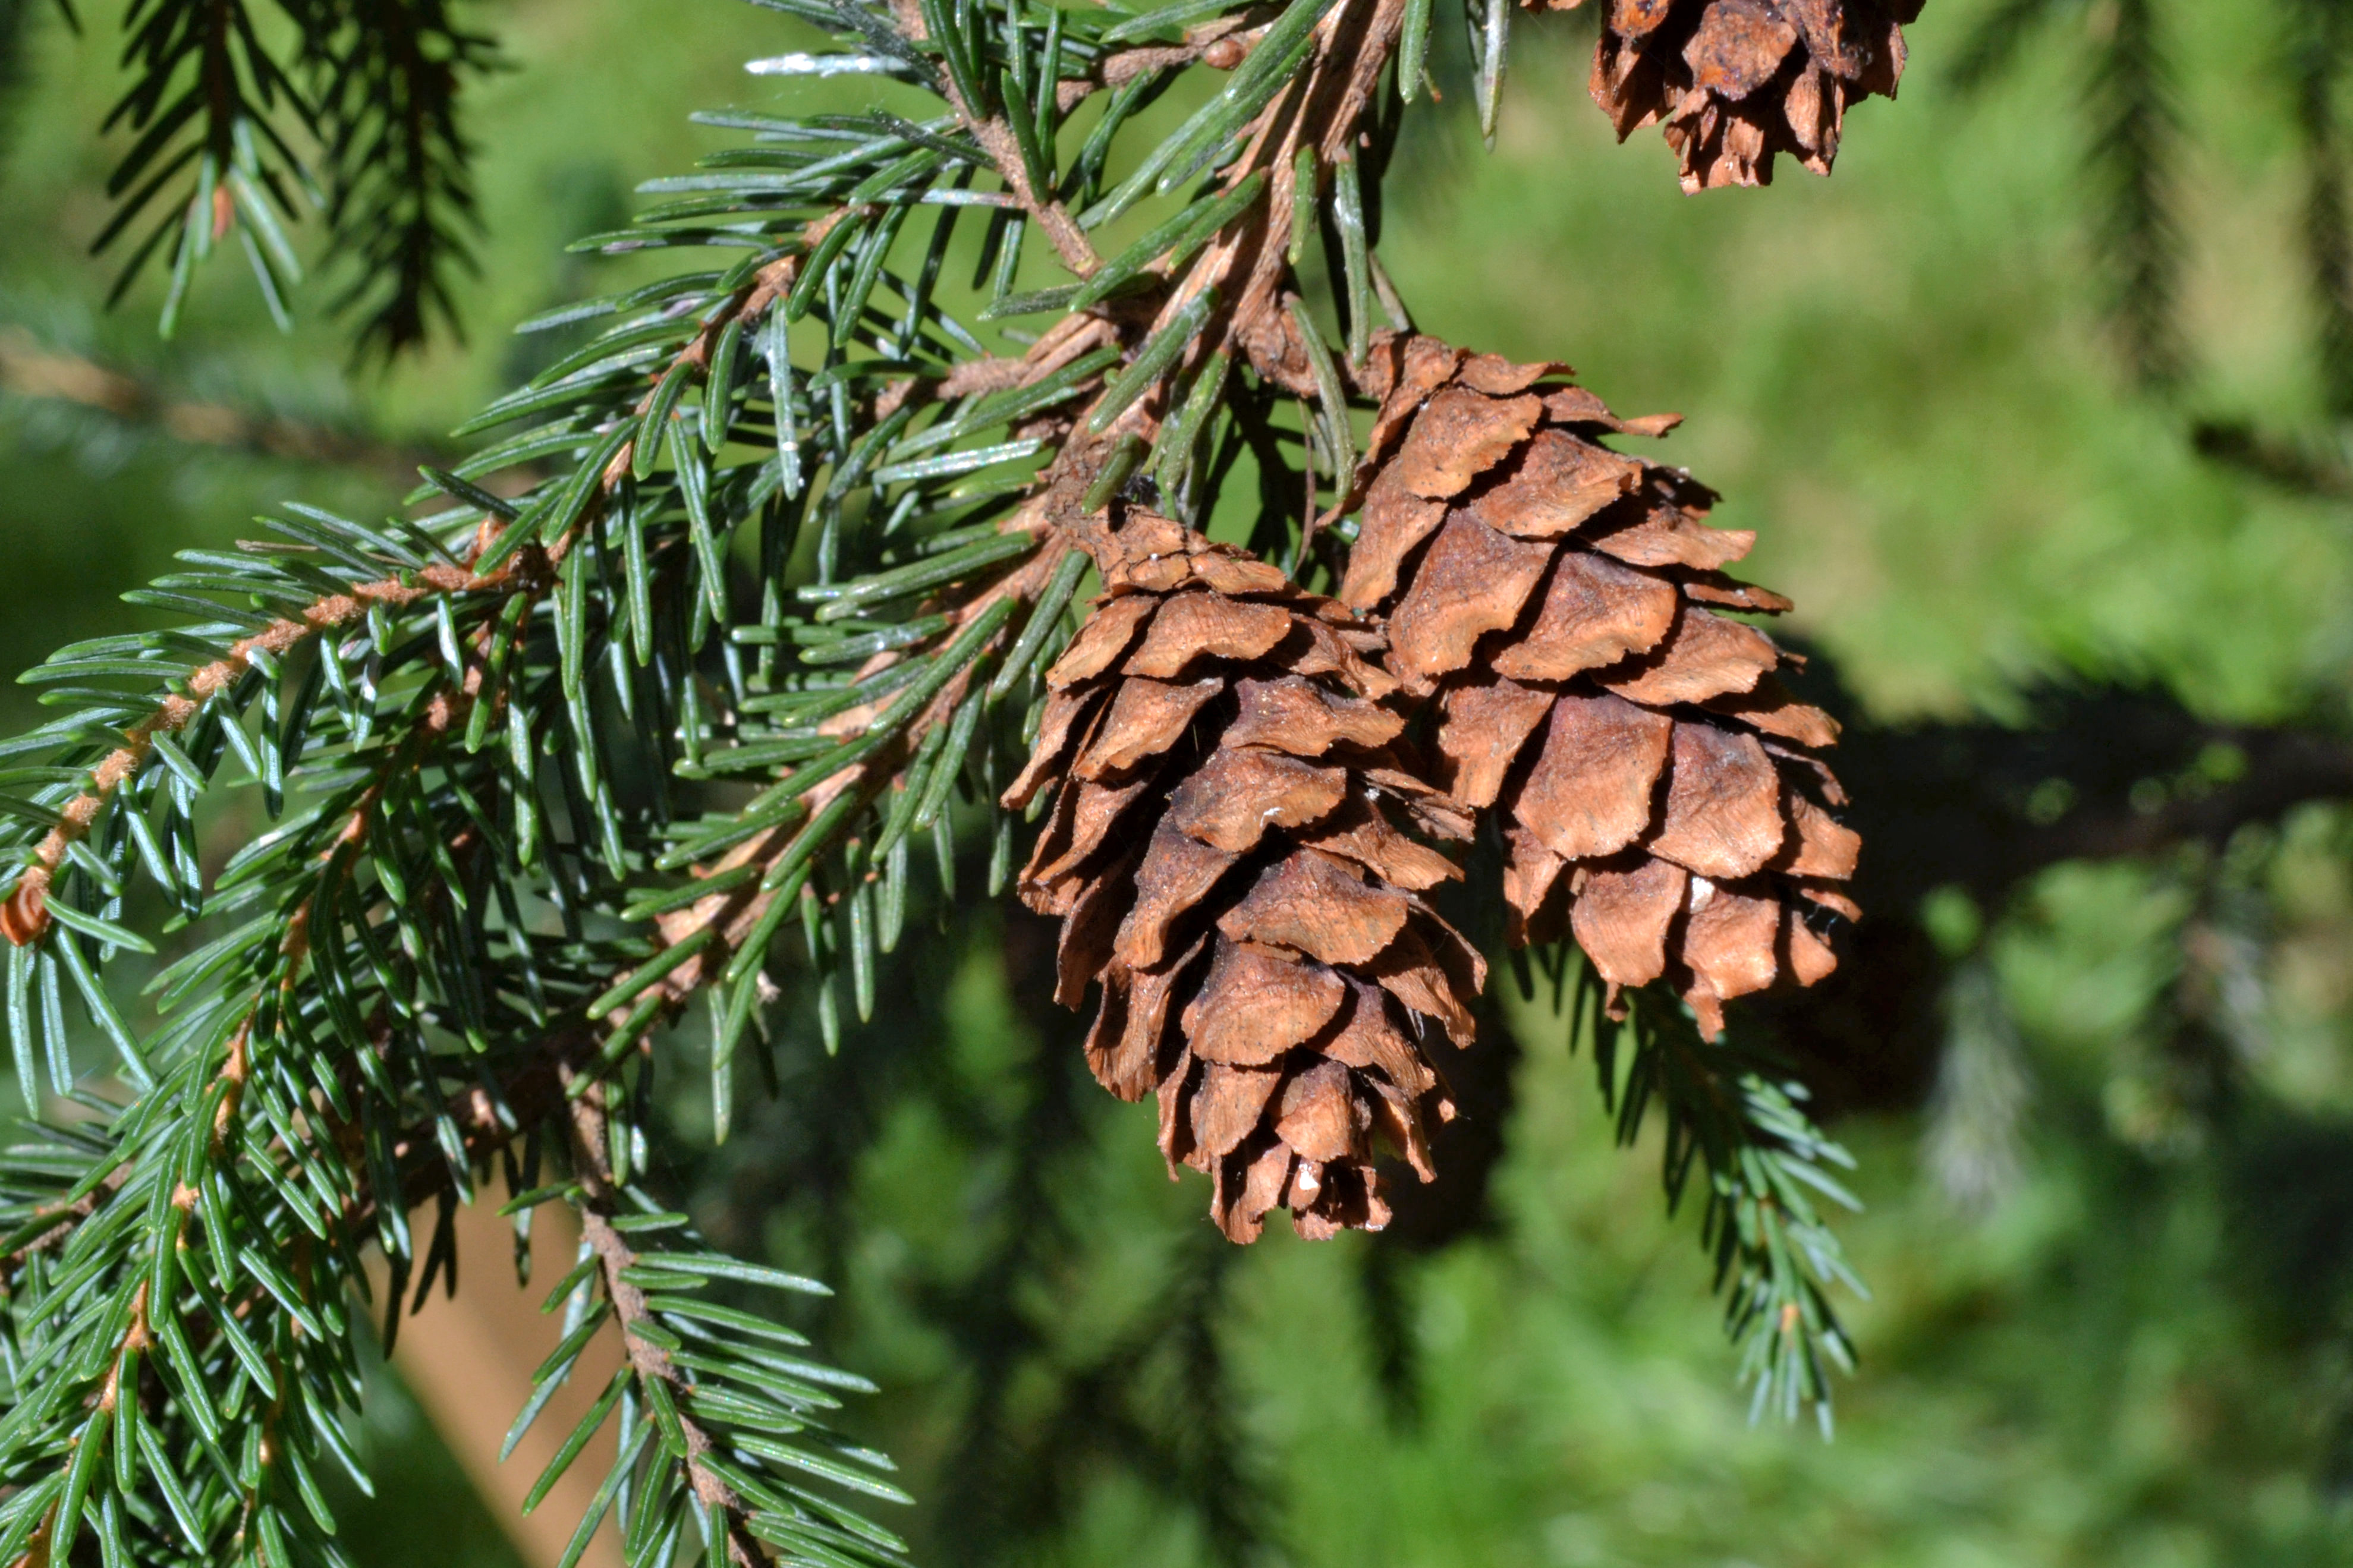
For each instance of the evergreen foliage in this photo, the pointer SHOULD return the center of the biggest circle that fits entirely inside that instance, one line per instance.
(222, 98)
(2136, 136)
(758, 582)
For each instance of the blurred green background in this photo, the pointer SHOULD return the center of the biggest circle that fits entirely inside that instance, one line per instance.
(2129, 1346)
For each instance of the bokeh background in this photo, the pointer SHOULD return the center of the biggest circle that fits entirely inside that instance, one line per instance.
(2099, 1084)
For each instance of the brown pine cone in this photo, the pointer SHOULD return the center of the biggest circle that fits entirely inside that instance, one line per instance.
(1737, 81)
(1561, 602)
(1223, 857)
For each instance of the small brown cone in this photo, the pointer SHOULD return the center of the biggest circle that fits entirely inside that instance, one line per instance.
(1736, 82)
(1226, 856)
(1566, 608)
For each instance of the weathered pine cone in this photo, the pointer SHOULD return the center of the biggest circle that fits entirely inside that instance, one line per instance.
(1560, 601)
(1739, 81)
(1224, 859)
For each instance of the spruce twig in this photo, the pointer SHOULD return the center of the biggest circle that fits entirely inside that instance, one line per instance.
(772, 566)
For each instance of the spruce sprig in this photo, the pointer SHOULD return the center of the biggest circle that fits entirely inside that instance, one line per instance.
(247, 118)
(752, 584)
(1766, 1170)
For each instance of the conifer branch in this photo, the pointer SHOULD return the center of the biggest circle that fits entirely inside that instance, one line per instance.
(1765, 1167)
(2134, 129)
(387, 76)
(641, 1336)
(995, 138)
(2318, 46)
(202, 69)
(773, 566)
(24, 918)
(222, 109)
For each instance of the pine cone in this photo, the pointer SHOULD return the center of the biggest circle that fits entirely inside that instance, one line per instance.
(1560, 601)
(1223, 857)
(1737, 81)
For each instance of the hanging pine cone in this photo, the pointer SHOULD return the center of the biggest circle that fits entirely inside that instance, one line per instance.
(1563, 603)
(1737, 81)
(1224, 859)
